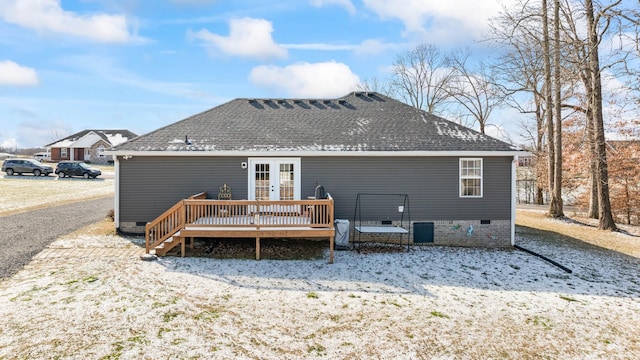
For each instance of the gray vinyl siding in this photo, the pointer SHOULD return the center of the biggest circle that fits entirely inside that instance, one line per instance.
(431, 183)
(151, 185)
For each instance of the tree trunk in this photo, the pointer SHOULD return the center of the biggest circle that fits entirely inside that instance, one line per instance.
(594, 207)
(555, 208)
(605, 215)
(539, 147)
(548, 100)
(627, 199)
(539, 195)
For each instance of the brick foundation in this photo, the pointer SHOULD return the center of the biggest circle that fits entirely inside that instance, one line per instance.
(497, 233)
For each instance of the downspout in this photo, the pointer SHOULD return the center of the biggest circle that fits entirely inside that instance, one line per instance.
(513, 200)
(116, 197)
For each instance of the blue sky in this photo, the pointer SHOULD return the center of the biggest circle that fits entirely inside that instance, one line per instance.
(66, 66)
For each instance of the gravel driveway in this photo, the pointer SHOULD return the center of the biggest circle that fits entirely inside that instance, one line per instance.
(26, 234)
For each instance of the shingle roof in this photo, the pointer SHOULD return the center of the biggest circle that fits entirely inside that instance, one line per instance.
(357, 122)
(106, 135)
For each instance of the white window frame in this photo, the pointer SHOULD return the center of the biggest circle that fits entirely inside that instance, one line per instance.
(64, 152)
(101, 149)
(467, 176)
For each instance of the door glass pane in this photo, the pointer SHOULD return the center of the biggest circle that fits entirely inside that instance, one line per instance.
(262, 181)
(286, 182)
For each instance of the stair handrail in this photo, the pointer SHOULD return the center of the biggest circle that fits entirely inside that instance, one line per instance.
(165, 225)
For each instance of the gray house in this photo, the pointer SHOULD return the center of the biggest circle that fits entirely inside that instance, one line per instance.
(460, 184)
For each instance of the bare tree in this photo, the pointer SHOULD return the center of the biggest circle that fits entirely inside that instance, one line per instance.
(586, 56)
(420, 77)
(594, 36)
(579, 31)
(548, 99)
(374, 84)
(474, 88)
(555, 206)
(57, 134)
(521, 76)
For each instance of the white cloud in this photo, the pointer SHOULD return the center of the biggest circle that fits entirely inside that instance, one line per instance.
(319, 47)
(446, 17)
(367, 47)
(248, 37)
(193, 2)
(326, 79)
(14, 74)
(47, 16)
(343, 3)
(373, 47)
(9, 144)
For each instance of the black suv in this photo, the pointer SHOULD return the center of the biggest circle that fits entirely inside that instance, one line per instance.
(76, 168)
(20, 166)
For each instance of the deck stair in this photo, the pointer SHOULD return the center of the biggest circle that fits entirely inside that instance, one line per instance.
(164, 247)
(163, 233)
(198, 216)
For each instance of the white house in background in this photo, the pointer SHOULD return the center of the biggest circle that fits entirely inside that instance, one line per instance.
(88, 145)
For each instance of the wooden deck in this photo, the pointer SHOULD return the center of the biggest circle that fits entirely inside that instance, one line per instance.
(201, 217)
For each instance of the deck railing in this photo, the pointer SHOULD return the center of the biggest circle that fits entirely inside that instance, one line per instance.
(259, 213)
(197, 211)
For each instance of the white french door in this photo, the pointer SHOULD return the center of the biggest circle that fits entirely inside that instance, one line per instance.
(274, 179)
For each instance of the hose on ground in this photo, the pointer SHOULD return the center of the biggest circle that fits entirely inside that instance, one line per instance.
(543, 258)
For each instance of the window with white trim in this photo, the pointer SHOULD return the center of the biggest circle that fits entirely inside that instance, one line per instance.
(470, 177)
(101, 151)
(63, 152)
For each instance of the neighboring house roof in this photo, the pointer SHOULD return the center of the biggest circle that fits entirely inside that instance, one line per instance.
(358, 122)
(87, 138)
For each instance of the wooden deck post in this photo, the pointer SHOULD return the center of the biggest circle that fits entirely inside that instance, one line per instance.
(257, 248)
(331, 241)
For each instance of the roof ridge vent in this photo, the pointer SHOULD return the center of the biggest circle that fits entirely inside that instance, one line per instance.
(281, 101)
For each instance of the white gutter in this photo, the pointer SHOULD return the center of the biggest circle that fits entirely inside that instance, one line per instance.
(240, 153)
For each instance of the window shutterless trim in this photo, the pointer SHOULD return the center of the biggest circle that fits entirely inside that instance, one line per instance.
(467, 176)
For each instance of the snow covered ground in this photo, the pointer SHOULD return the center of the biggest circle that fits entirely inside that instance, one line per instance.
(27, 192)
(431, 302)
